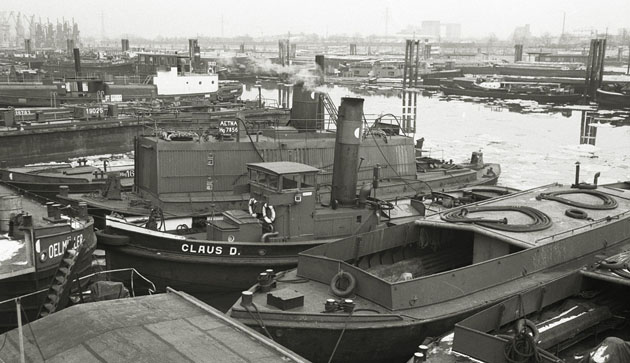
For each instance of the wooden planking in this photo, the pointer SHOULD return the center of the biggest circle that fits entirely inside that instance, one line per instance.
(171, 327)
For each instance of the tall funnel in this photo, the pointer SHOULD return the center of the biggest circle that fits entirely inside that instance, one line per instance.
(77, 61)
(321, 68)
(349, 131)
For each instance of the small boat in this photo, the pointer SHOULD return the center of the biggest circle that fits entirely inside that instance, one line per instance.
(376, 296)
(229, 91)
(580, 317)
(220, 252)
(498, 88)
(613, 99)
(45, 180)
(34, 244)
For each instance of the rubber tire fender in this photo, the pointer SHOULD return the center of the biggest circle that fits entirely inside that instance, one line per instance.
(352, 284)
(576, 213)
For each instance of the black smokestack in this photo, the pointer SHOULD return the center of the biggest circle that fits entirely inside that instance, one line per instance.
(307, 111)
(321, 68)
(349, 132)
(77, 68)
(77, 61)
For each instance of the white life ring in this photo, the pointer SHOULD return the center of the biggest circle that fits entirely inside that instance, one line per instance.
(272, 213)
(250, 207)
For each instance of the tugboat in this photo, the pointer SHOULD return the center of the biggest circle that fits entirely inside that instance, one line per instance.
(613, 99)
(376, 296)
(225, 251)
(539, 92)
(45, 180)
(192, 174)
(42, 249)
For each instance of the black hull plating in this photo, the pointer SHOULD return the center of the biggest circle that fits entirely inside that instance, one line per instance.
(541, 98)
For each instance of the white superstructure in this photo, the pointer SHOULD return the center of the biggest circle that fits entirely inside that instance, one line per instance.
(169, 83)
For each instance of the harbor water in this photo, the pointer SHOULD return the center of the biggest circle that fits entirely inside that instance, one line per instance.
(535, 145)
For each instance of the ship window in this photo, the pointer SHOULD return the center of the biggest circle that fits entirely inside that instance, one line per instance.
(290, 182)
(262, 178)
(199, 82)
(358, 219)
(273, 181)
(212, 82)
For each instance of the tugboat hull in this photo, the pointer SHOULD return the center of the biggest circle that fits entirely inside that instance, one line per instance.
(541, 98)
(35, 284)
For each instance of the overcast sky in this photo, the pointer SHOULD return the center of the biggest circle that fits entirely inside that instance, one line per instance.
(190, 18)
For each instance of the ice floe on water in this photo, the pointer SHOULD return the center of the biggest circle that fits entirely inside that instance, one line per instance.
(8, 248)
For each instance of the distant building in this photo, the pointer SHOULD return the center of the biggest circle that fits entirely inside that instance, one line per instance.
(361, 69)
(453, 31)
(522, 33)
(430, 28)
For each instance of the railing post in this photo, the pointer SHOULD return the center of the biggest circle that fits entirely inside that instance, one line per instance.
(18, 306)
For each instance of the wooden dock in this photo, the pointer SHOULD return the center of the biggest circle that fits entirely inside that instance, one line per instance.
(170, 327)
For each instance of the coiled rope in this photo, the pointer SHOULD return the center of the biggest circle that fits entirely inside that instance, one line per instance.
(522, 348)
(540, 220)
(608, 202)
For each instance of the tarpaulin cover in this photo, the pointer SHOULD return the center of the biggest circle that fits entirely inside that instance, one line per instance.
(611, 350)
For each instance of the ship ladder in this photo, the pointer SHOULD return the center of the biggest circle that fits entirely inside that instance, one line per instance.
(57, 295)
(330, 107)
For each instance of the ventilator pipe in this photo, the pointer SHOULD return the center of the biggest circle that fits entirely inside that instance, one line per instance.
(247, 299)
(49, 209)
(595, 179)
(56, 211)
(577, 173)
(83, 210)
(265, 237)
(27, 221)
(364, 193)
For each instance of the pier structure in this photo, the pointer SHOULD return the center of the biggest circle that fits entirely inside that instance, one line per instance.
(595, 67)
(588, 129)
(410, 86)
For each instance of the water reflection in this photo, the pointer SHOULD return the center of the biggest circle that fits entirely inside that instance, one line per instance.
(534, 148)
(620, 117)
